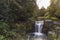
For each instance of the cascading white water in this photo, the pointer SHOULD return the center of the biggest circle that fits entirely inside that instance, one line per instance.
(38, 35)
(38, 27)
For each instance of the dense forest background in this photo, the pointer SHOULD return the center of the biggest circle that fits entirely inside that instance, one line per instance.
(17, 18)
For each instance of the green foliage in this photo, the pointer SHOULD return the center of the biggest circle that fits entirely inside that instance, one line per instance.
(14, 17)
(57, 12)
(22, 10)
(4, 27)
(2, 37)
(17, 18)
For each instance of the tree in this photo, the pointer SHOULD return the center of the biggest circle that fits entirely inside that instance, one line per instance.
(23, 9)
(14, 12)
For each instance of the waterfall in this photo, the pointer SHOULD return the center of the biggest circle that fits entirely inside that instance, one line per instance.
(38, 27)
(38, 35)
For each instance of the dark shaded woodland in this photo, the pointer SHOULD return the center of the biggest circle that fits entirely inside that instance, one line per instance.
(17, 18)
